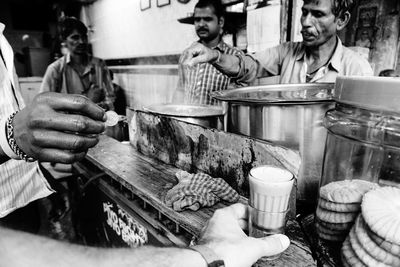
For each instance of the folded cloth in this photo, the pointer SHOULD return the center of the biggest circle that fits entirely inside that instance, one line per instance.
(194, 191)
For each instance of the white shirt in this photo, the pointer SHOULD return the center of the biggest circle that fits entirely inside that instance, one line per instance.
(20, 182)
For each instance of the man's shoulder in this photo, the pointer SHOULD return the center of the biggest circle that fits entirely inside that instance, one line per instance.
(97, 60)
(229, 48)
(58, 64)
(355, 63)
(351, 55)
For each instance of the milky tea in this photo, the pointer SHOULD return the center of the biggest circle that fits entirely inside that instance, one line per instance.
(270, 189)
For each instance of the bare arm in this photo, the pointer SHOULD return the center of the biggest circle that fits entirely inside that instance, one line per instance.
(20, 249)
(223, 234)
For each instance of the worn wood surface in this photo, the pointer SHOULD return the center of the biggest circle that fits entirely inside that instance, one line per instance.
(198, 149)
(327, 253)
(150, 179)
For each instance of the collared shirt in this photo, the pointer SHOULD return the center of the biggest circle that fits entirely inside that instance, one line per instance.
(62, 77)
(288, 61)
(199, 81)
(20, 182)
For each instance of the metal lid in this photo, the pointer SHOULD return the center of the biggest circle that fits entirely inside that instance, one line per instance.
(185, 110)
(279, 93)
(376, 93)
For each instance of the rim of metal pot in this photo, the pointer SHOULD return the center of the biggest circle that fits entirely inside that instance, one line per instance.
(306, 93)
(176, 110)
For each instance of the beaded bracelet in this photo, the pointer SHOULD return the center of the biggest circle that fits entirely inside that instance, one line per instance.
(4, 141)
(11, 141)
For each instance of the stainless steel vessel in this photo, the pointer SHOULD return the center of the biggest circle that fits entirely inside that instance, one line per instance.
(287, 114)
(204, 115)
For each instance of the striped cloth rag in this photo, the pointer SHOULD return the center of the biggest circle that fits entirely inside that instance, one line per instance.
(194, 191)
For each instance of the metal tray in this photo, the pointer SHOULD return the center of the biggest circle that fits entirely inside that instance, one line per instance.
(279, 93)
(185, 110)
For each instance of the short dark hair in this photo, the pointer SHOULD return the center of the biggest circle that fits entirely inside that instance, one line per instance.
(339, 7)
(68, 24)
(216, 4)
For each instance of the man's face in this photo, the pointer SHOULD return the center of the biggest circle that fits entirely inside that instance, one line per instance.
(206, 23)
(77, 43)
(318, 22)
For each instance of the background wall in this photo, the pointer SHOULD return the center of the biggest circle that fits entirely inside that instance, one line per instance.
(121, 29)
(28, 30)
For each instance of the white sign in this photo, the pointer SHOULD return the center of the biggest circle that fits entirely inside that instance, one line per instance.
(132, 233)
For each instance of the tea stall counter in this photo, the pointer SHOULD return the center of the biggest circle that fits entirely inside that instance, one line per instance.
(139, 183)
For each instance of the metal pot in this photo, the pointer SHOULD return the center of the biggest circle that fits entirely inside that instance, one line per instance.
(204, 115)
(287, 114)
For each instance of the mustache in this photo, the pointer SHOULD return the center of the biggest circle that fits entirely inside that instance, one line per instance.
(81, 46)
(308, 32)
(202, 29)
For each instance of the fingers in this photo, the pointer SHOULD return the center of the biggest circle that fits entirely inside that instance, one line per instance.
(195, 54)
(238, 210)
(71, 103)
(273, 244)
(60, 156)
(197, 59)
(65, 141)
(67, 122)
(243, 224)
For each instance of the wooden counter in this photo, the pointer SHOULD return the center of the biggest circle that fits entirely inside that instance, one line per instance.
(150, 179)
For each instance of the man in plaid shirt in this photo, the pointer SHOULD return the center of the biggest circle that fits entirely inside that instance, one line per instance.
(195, 84)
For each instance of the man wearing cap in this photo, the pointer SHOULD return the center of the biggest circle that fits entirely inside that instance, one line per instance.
(195, 84)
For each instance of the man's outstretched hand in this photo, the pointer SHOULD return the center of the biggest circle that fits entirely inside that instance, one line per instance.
(198, 53)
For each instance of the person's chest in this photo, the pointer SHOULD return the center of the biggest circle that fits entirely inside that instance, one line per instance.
(205, 76)
(296, 71)
(79, 79)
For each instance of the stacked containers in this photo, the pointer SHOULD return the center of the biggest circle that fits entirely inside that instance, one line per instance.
(363, 140)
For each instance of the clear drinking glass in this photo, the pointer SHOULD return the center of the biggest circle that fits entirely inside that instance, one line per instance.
(270, 189)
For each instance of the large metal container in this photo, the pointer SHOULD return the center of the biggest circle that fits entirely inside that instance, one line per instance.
(204, 115)
(287, 114)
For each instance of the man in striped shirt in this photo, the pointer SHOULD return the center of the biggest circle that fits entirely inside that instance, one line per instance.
(195, 84)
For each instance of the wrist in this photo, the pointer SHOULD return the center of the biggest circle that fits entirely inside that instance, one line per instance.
(216, 57)
(4, 141)
(12, 142)
(196, 258)
(209, 256)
